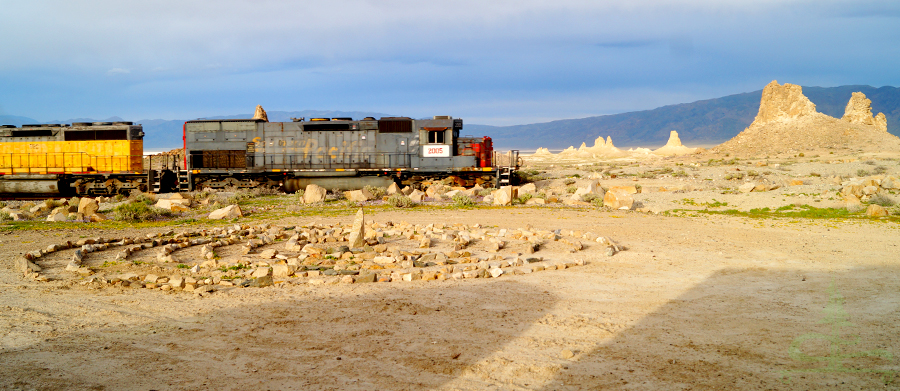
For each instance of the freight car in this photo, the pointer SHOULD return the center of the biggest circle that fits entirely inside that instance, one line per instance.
(84, 158)
(334, 153)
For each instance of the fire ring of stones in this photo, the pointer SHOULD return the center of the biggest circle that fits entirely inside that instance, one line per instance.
(241, 255)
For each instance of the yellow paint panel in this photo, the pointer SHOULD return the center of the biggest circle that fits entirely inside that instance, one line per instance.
(71, 156)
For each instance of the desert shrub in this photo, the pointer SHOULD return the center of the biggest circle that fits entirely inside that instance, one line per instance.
(138, 211)
(2, 204)
(462, 201)
(647, 175)
(53, 203)
(569, 181)
(376, 192)
(862, 172)
(679, 173)
(880, 170)
(4, 216)
(571, 189)
(541, 195)
(598, 202)
(484, 192)
(139, 197)
(337, 194)
(869, 162)
(882, 199)
(524, 198)
(590, 197)
(400, 201)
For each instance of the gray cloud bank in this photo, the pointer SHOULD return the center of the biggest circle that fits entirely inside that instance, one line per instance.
(497, 62)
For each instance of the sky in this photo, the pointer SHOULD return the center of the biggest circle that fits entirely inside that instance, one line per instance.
(493, 62)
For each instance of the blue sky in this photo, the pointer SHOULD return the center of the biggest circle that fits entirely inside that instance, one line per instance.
(490, 62)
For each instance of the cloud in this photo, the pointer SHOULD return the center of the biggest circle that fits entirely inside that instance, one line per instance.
(513, 56)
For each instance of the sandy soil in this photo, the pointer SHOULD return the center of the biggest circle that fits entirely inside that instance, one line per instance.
(709, 302)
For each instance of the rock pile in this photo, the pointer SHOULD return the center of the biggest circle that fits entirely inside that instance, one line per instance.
(318, 254)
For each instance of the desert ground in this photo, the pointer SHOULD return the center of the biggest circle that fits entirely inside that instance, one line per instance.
(709, 290)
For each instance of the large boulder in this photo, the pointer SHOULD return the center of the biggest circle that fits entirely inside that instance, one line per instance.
(174, 204)
(505, 195)
(528, 188)
(592, 188)
(358, 195)
(313, 194)
(417, 196)
(228, 212)
(392, 189)
(88, 206)
(876, 211)
(358, 232)
(618, 200)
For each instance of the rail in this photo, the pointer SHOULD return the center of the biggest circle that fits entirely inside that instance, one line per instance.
(67, 163)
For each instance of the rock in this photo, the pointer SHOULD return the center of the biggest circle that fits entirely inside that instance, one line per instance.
(176, 282)
(496, 272)
(796, 182)
(358, 231)
(228, 212)
(535, 201)
(25, 266)
(88, 206)
(592, 188)
(313, 194)
(434, 191)
(425, 242)
(618, 200)
(174, 205)
(566, 354)
(876, 211)
(151, 278)
(393, 189)
(358, 195)
(97, 217)
(281, 270)
(417, 196)
(505, 195)
(268, 254)
(859, 111)
(364, 278)
(57, 216)
(624, 189)
(528, 188)
(488, 199)
(262, 272)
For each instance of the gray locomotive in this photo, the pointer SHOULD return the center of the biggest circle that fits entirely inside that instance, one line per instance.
(334, 153)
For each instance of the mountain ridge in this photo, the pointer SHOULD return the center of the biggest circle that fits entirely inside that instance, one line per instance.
(708, 121)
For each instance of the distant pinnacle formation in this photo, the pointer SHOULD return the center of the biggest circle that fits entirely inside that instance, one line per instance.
(674, 141)
(260, 114)
(781, 102)
(859, 110)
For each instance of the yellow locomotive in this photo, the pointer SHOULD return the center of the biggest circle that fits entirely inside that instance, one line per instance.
(84, 158)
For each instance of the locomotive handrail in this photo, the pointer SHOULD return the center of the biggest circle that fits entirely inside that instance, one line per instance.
(65, 163)
(295, 161)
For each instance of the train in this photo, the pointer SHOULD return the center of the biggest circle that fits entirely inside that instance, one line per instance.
(107, 158)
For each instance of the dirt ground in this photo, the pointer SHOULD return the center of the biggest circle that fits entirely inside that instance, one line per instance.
(694, 302)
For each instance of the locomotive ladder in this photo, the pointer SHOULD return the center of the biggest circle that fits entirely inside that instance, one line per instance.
(508, 165)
